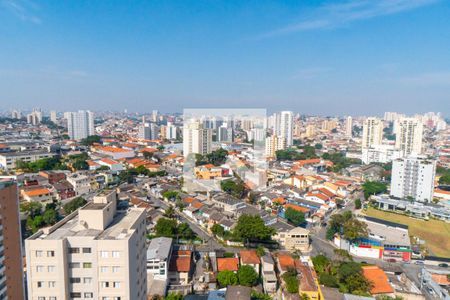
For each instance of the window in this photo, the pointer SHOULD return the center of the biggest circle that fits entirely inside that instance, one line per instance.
(51, 253)
(52, 298)
(41, 298)
(103, 269)
(105, 284)
(75, 280)
(116, 254)
(40, 284)
(116, 284)
(75, 295)
(87, 280)
(86, 250)
(88, 295)
(52, 284)
(38, 253)
(51, 268)
(39, 269)
(87, 265)
(104, 254)
(115, 269)
(74, 265)
(74, 250)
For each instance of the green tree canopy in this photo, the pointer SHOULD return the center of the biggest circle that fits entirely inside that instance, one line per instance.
(50, 216)
(291, 281)
(74, 205)
(166, 227)
(235, 188)
(295, 217)
(373, 188)
(226, 278)
(247, 276)
(90, 140)
(252, 228)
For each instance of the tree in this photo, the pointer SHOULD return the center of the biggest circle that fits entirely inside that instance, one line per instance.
(80, 165)
(160, 148)
(373, 188)
(236, 189)
(170, 212)
(171, 195)
(304, 296)
(260, 251)
(295, 217)
(32, 208)
(35, 223)
(291, 281)
(328, 280)
(50, 217)
(185, 232)
(226, 278)
(259, 296)
(358, 203)
(166, 227)
(321, 263)
(90, 140)
(318, 146)
(355, 229)
(247, 276)
(342, 254)
(218, 230)
(445, 179)
(252, 228)
(174, 296)
(73, 205)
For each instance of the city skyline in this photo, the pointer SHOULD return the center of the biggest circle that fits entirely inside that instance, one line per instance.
(329, 58)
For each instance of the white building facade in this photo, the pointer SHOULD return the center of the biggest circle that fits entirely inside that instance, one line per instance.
(80, 124)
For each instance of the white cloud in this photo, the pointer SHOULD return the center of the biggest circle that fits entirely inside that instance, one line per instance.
(336, 15)
(428, 79)
(22, 9)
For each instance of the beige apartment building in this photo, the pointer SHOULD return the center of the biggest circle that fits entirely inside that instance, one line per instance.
(96, 252)
(294, 239)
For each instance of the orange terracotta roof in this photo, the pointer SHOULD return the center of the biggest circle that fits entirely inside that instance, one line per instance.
(379, 280)
(286, 262)
(296, 207)
(439, 191)
(109, 161)
(249, 257)
(227, 263)
(148, 149)
(91, 163)
(130, 145)
(197, 204)
(318, 195)
(279, 200)
(37, 192)
(343, 183)
(113, 149)
(188, 200)
(441, 279)
(326, 192)
(180, 264)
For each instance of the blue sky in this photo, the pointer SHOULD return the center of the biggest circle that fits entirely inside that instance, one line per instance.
(315, 57)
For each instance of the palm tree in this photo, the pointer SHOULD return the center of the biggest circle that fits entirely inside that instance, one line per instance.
(169, 212)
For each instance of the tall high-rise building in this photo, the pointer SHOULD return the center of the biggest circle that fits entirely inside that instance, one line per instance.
(408, 138)
(196, 139)
(16, 114)
(372, 132)
(310, 131)
(53, 116)
(96, 252)
(286, 127)
(273, 144)
(80, 124)
(11, 274)
(225, 133)
(35, 117)
(171, 131)
(148, 131)
(413, 177)
(349, 126)
(154, 116)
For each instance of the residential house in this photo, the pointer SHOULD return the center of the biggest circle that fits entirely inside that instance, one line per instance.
(64, 190)
(268, 274)
(296, 238)
(309, 284)
(227, 263)
(379, 280)
(158, 255)
(81, 183)
(37, 194)
(250, 258)
(181, 267)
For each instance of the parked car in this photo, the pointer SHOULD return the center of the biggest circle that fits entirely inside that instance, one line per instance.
(443, 265)
(419, 262)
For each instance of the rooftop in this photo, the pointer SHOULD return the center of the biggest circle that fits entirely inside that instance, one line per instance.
(380, 282)
(159, 248)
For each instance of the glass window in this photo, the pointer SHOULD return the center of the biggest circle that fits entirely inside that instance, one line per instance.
(87, 280)
(87, 265)
(74, 250)
(40, 284)
(74, 265)
(116, 284)
(50, 253)
(52, 298)
(75, 295)
(116, 254)
(103, 269)
(104, 254)
(86, 250)
(105, 284)
(75, 280)
(88, 295)
(51, 268)
(38, 253)
(51, 284)
(41, 298)
(39, 269)
(115, 269)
